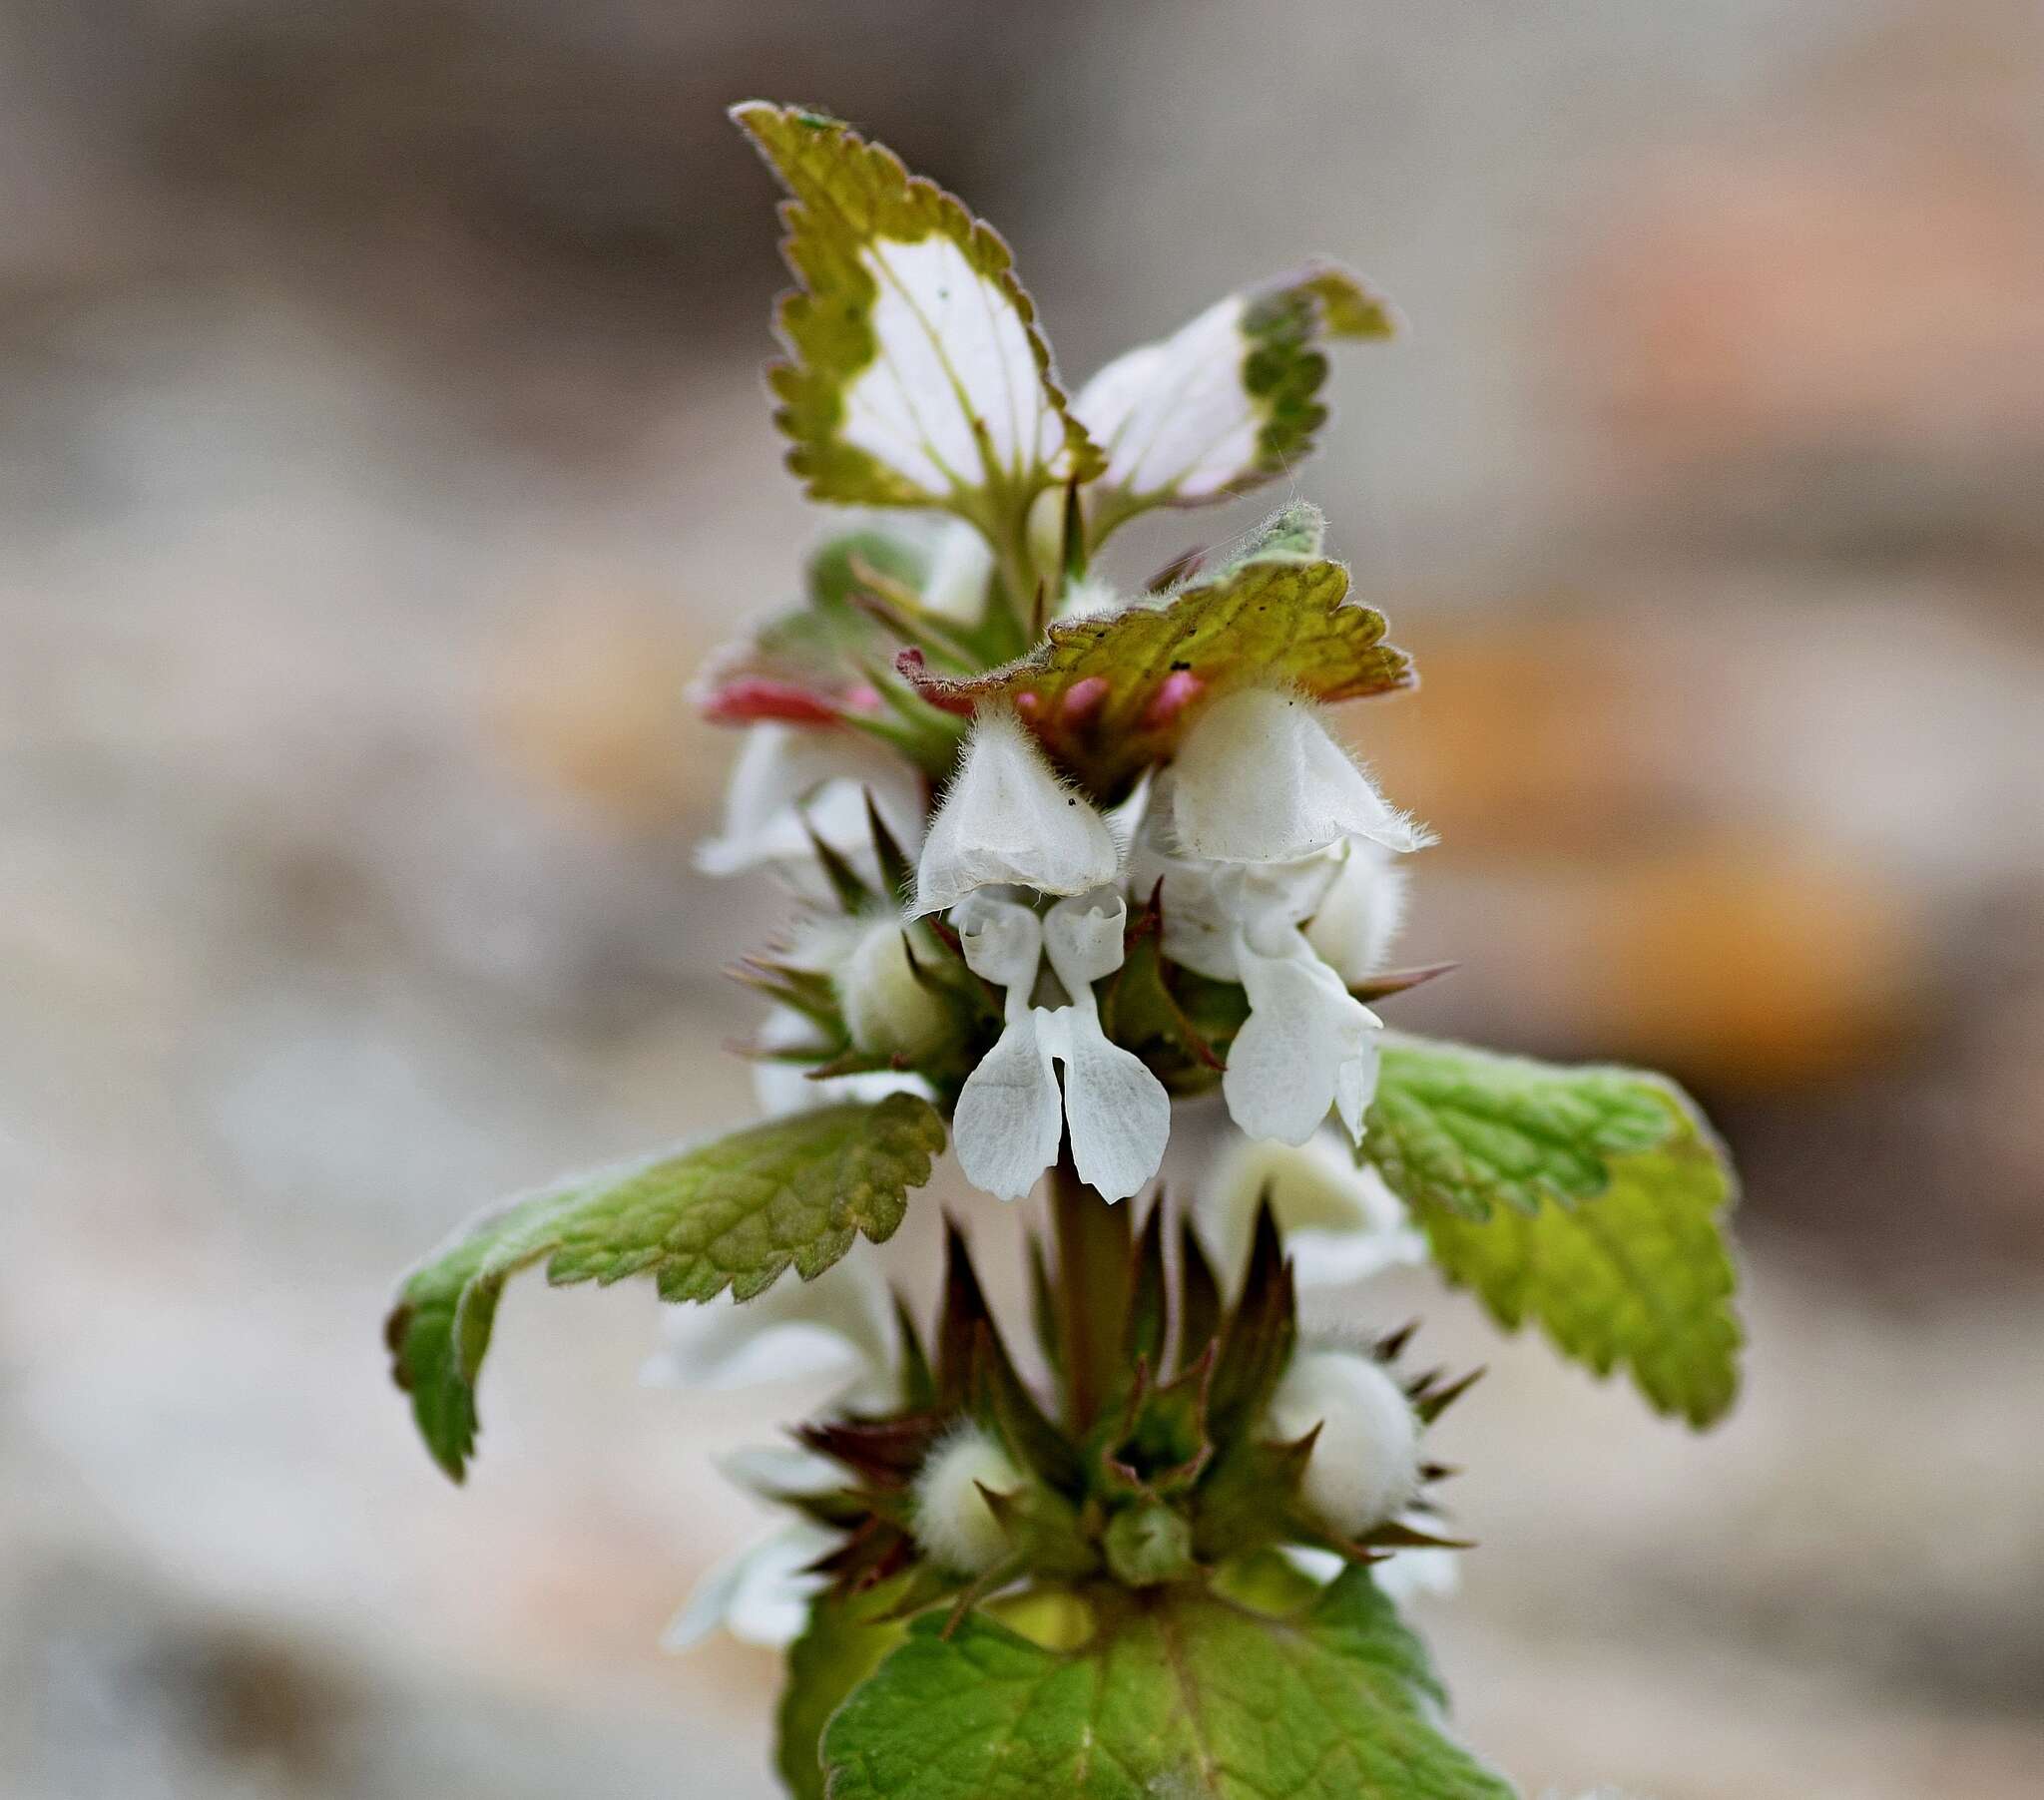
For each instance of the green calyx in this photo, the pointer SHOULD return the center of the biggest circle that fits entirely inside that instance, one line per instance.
(1173, 1477)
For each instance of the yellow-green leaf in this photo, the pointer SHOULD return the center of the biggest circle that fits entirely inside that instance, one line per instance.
(916, 373)
(1591, 1200)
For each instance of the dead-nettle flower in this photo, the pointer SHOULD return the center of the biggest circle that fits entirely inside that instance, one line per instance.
(792, 782)
(1006, 819)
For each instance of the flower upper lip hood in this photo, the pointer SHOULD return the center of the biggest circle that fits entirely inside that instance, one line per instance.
(1260, 780)
(1007, 819)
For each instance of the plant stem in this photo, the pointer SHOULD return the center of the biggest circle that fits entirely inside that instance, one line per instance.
(1093, 1248)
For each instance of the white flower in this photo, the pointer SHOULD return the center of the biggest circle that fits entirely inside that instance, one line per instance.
(788, 775)
(1007, 819)
(782, 1087)
(1010, 1117)
(1308, 1045)
(1364, 1467)
(840, 1326)
(1358, 917)
(1260, 780)
(954, 1523)
(1340, 1222)
(760, 1595)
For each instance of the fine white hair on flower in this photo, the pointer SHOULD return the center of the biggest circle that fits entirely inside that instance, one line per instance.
(1262, 779)
(791, 780)
(1006, 819)
(1011, 1115)
(954, 1526)
(1339, 1221)
(1364, 1467)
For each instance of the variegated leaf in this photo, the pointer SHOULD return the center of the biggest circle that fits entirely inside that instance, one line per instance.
(1226, 401)
(917, 376)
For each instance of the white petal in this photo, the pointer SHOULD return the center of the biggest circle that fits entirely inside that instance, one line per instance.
(1260, 779)
(1006, 818)
(1084, 937)
(786, 771)
(1119, 1112)
(1308, 1047)
(1009, 1120)
(1408, 1573)
(838, 1326)
(1199, 928)
(766, 1469)
(1402, 1576)
(760, 1595)
(953, 361)
(1355, 923)
(1001, 939)
(1340, 1222)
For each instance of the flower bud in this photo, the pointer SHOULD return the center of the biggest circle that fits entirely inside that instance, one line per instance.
(889, 1006)
(1364, 1467)
(954, 1526)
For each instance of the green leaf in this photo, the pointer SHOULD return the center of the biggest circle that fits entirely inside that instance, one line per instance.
(1110, 695)
(839, 1648)
(734, 1212)
(1592, 1200)
(1228, 402)
(1179, 1693)
(916, 375)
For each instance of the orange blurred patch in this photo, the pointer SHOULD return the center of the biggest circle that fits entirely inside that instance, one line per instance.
(587, 697)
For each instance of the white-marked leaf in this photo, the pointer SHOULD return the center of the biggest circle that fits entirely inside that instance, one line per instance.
(916, 375)
(1226, 401)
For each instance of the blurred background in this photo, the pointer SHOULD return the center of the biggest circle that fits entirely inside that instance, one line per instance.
(382, 446)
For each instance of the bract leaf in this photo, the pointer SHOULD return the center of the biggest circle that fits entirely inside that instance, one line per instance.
(1226, 401)
(1110, 695)
(916, 373)
(1592, 1200)
(1178, 1692)
(734, 1212)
